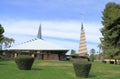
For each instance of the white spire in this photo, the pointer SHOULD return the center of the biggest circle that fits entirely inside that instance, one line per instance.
(82, 46)
(39, 35)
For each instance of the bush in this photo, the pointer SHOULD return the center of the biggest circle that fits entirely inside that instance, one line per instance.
(3, 58)
(81, 58)
(82, 68)
(111, 62)
(24, 62)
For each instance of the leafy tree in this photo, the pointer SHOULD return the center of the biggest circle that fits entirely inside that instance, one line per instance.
(99, 52)
(92, 55)
(8, 41)
(118, 58)
(5, 41)
(73, 52)
(100, 48)
(111, 30)
(1, 32)
(1, 35)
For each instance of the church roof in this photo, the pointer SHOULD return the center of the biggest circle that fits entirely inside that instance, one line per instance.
(38, 44)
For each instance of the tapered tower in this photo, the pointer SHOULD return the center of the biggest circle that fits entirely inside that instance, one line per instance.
(82, 45)
(39, 35)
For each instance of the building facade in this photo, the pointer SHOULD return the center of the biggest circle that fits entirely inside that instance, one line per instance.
(39, 48)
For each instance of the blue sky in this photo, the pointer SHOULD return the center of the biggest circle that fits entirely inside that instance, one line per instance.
(60, 19)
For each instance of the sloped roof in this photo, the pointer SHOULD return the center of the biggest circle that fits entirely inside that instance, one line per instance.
(37, 44)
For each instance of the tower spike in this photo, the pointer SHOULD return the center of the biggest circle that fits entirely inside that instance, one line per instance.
(82, 29)
(39, 35)
(82, 46)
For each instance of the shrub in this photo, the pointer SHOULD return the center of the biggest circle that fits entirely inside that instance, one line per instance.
(111, 62)
(3, 58)
(82, 68)
(81, 58)
(24, 62)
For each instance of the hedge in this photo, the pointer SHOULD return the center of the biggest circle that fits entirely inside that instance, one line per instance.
(82, 68)
(24, 62)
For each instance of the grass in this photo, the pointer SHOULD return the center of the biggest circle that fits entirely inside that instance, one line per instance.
(56, 70)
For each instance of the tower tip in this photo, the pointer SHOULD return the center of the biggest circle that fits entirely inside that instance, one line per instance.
(82, 27)
(39, 35)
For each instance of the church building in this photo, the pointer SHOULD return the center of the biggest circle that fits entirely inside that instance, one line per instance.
(39, 48)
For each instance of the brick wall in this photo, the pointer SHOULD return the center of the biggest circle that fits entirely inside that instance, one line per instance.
(51, 57)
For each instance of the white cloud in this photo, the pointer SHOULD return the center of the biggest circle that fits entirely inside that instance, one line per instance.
(20, 27)
(71, 30)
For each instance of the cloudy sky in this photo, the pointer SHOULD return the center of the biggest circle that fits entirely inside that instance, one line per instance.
(60, 19)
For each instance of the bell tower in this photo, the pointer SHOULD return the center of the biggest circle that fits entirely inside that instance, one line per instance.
(82, 45)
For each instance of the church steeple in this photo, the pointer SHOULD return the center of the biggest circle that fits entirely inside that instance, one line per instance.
(82, 46)
(39, 35)
(82, 29)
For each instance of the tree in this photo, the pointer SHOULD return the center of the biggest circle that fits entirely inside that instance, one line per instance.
(1, 32)
(73, 52)
(100, 48)
(5, 41)
(118, 58)
(1, 36)
(8, 42)
(92, 55)
(111, 30)
(99, 52)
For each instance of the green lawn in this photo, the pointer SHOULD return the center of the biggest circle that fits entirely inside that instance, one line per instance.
(56, 70)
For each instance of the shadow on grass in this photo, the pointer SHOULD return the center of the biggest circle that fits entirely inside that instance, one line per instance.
(36, 69)
(91, 76)
(2, 64)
